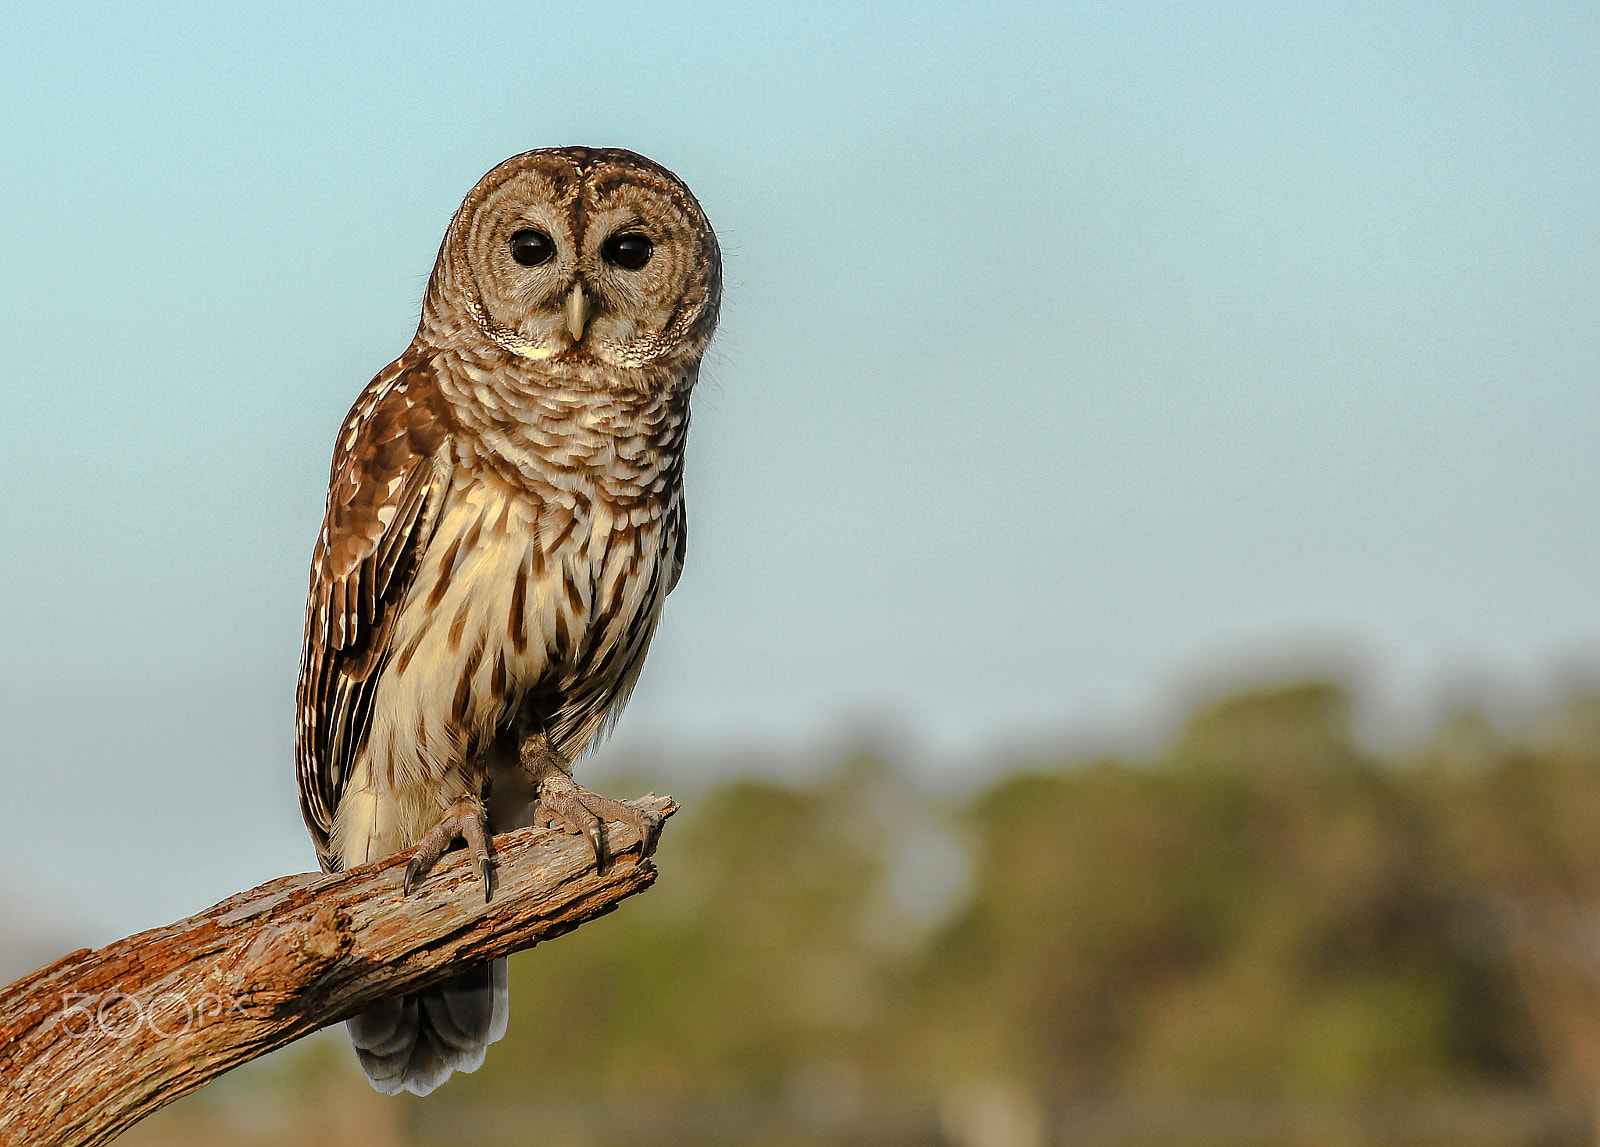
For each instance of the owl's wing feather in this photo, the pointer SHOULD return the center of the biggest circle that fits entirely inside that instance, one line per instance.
(383, 497)
(678, 530)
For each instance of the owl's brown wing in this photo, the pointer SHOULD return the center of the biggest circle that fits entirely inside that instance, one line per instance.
(678, 531)
(383, 498)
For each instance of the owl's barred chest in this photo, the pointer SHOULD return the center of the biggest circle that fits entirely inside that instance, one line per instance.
(517, 599)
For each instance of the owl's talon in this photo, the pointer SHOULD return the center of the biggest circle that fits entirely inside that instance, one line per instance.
(464, 820)
(649, 834)
(564, 804)
(413, 870)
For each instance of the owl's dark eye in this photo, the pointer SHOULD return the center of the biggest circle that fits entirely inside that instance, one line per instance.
(630, 250)
(530, 247)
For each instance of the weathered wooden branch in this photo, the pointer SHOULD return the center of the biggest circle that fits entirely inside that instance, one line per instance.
(100, 1039)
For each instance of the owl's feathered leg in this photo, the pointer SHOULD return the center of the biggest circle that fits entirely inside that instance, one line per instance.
(466, 819)
(565, 804)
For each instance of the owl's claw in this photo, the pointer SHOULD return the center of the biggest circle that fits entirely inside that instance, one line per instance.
(566, 805)
(466, 820)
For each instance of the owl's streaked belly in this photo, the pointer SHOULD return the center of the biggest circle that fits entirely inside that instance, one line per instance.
(503, 604)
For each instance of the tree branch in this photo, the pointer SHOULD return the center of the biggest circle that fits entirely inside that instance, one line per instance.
(100, 1039)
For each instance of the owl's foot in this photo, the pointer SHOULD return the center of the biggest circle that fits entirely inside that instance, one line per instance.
(566, 805)
(466, 820)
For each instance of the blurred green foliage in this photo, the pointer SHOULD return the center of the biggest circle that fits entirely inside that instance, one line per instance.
(1262, 935)
(1263, 910)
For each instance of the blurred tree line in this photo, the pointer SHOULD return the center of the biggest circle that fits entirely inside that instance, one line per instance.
(1262, 912)
(1262, 921)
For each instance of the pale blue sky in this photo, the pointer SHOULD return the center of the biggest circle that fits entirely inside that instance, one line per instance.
(1070, 353)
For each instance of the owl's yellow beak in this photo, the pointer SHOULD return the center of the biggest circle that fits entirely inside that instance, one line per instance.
(577, 309)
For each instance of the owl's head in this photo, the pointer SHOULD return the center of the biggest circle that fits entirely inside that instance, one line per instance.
(571, 256)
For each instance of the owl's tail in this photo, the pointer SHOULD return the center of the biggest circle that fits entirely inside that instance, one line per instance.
(413, 1043)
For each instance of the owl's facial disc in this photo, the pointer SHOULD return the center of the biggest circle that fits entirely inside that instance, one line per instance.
(590, 258)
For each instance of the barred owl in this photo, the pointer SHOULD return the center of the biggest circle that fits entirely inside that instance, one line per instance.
(505, 519)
